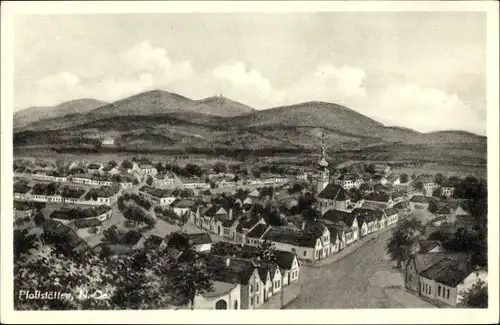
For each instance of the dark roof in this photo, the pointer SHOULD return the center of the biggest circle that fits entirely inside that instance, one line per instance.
(447, 271)
(182, 203)
(422, 199)
(116, 249)
(377, 177)
(314, 227)
(334, 192)
(390, 211)
(132, 237)
(23, 206)
(425, 260)
(258, 231)
(347, 177)
(401, 205)
(336, 216)
(154, 241)
(297, 238)
(367, 214)
(157, 192)
(377, 197)
(452, 182)
(284, 259)
(444, 210)
(94, 166)
(238, 270)
(85, 223)
(428, 245)
(199, 238)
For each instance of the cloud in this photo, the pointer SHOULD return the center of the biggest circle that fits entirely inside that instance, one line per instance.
(423, 109)
(144, 67)
(342, 85)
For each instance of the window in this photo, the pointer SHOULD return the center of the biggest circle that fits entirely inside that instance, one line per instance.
(251, 288)
(256, 288)
(439, 290)
(305, 253)
(447, 293)
(251, 301)
(258, 300)
(430, 290)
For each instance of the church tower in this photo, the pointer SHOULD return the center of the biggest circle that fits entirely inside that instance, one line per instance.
(323, 172)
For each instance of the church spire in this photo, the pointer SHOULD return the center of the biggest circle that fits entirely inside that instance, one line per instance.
(322, 162)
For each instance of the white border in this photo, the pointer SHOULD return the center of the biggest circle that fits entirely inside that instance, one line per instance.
(373, 316)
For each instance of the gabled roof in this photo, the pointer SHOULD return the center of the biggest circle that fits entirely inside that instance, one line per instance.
(23, 206)
(452, 182)
(296, 238)
(401, 205)
(422, 199)
(86, 223)
(182, 203)
(447, 271)
(377, 197)
(314, 227)
(390, 211)
(334, 192)
(425, 260)
(284, 259)
(258, 231)
(199, 238)
(367, 214)
(336, 216)
(444, 210)
(238, 270)
(428, 245)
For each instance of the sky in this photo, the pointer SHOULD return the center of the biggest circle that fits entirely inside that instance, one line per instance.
(421, 70)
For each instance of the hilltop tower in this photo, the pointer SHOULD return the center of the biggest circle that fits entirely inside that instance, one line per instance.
(323, 172)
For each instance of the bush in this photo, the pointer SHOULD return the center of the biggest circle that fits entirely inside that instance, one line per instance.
(150, 220)
(27, 219)
(19, 221)
(129, 224)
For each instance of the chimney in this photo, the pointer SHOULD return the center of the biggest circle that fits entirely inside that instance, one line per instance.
(228, 262)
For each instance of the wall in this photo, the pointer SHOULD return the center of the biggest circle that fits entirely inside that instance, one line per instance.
(449, 300)
(201, 302)
(412, 279)
(428, 288)
(203, 247)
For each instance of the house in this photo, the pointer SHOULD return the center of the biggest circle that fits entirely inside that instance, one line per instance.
(271, 277)
(163, 180)
(134, 239)
(255, 236)
(379, 179)
(254, 194)
(440, 281)
(448, 188)
(419, 262)
(157, 196)
(333, 197)
(391, 215)
(243, 198)
(108, 141)
(318, 229)
(182, 206)
(195, 183)
(420, 202)
(428, 182)
(379, 198)
(23, 210)
(113, 249)
(94, 168)
(444, 212)
(346, 221)
(201, 241)
(289, 266)
(246, 224)
(350, 180)
(64, 237)
(470, 281)
(155, 243)
(238, 271)
(225, 295)
(368, 217)
(306, 246)
(86, 227)
(147, 169)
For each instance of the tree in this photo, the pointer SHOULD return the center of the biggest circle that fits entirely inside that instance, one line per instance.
(220, 167)
(135, 181)
(413, 176)
(127, 164)
(403, 178)
(192, 170)
(433, 206)
(23, 242)
(39, 218)
(439, 179)
(355, 194)
(370, 169)
(418, 185)
(437, 192)
(477, 296)
(149, 180)
(134, 214)
(266, 250)
(399, 245)
(365, 187)
(150, 220)
(189, 277)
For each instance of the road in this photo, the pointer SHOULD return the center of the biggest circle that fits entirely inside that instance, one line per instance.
(363, 279)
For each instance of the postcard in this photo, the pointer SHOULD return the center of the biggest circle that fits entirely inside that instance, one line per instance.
(284, 162)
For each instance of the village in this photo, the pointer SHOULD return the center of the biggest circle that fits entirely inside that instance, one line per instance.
(312, 220)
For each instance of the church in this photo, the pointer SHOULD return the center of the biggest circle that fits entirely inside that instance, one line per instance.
(329, 196)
